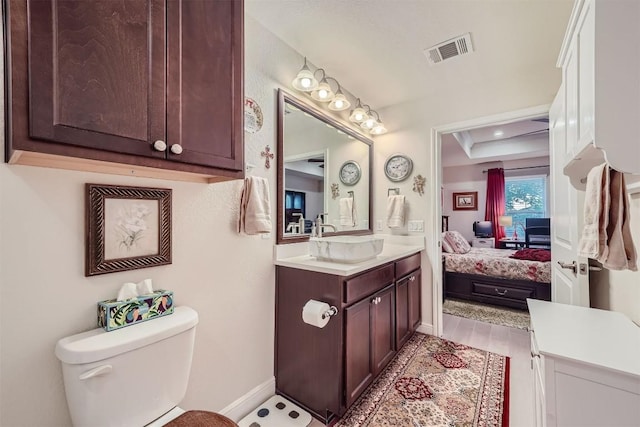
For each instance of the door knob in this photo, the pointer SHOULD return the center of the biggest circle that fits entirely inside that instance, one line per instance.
(159, 145)
(176, 149)
(571, 266)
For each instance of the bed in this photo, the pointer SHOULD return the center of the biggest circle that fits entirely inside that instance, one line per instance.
(488, 275)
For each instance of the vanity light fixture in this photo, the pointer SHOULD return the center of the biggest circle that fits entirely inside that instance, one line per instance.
(358, 114)
(305, 80)
(321, 91)
(339, 101)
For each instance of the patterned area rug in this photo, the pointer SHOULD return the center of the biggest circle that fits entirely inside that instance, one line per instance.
(435, 382)
(487, 313)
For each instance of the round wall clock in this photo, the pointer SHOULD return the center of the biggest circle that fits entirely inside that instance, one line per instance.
(350, 172)
(398, 167)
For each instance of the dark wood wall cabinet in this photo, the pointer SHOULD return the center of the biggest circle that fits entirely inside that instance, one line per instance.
(135, 87)
(325, 370)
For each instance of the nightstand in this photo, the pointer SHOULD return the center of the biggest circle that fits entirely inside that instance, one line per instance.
(484, 242)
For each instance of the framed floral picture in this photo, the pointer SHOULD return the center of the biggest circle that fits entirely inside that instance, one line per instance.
(126, 228)
(465, 201)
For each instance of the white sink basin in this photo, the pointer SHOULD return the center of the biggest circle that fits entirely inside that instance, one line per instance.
(345, 249)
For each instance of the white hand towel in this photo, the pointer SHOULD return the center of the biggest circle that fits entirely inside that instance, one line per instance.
(395, 211)
(593, 242)
(348, 216)
(255, 207)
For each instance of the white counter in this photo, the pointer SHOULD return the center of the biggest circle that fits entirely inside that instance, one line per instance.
(599, 338)
(296, 255)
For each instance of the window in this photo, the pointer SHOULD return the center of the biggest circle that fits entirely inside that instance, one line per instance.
(525, 197)
(294, 202)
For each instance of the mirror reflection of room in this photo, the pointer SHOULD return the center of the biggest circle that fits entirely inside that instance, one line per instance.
(314, 155)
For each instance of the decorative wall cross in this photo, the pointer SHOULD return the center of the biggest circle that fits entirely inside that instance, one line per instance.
(269, 155)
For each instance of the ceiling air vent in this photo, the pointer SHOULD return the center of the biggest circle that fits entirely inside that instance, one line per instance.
(451, 48)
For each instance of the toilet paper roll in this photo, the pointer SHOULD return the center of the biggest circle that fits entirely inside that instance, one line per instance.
(313, 313)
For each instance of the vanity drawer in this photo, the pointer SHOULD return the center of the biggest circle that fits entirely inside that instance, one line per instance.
(367, 283)
(407, 265)
(503, 291)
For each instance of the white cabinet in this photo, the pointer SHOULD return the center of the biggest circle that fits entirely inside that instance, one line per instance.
(484, 242)
(601, 74)
(586, 366)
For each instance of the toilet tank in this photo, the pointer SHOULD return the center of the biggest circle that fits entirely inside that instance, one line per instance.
(130, 376)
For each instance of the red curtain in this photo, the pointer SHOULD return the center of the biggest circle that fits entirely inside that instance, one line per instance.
(495, 201)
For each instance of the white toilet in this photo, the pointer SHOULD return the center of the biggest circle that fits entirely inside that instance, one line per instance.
(134, 376)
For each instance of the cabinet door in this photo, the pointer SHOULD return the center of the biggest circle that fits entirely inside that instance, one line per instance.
(407, 307)
(205, 101)
(403, 331)
(96, 72)
(358, 363)
(414, 300)
(383, 328)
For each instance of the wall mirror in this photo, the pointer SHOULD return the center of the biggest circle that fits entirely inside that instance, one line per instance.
(313, 150)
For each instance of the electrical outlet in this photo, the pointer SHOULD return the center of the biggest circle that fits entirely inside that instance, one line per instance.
(379, 225)
(416, 225)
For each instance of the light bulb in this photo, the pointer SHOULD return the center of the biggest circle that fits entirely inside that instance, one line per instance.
(339, 103)
(359, 117)
(306, 82)
(322, 93)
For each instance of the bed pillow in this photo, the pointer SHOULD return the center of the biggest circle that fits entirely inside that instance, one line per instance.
(446, 247)
(457, 242)
(541, 255)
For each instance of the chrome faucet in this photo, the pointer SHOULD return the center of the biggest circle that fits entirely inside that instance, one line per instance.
(320, 225)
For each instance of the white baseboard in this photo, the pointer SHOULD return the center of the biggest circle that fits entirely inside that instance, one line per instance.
(238, 409)
(425, 328)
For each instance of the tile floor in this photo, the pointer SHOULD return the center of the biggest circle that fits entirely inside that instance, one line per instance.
(502, 340)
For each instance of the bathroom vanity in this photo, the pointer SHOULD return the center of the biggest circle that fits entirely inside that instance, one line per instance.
(326, 369)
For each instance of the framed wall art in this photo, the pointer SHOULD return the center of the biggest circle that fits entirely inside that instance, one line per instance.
(126, 228)
(465, 201)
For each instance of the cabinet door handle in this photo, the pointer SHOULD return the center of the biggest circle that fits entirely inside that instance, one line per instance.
(176, 149)
(374, 301)
(159, 145)
(501, 293)
(412, 278)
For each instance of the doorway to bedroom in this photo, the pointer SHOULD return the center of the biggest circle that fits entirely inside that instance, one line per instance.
(481, 277)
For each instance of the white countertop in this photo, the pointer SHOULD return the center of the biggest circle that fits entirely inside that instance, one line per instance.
(602, 338)
(395, 247)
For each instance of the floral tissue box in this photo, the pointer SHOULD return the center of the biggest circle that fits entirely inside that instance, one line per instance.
(113, 314)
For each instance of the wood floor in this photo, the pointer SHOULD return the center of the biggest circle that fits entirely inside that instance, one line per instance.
(502, 340)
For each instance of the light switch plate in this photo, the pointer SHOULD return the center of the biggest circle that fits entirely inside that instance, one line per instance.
(416, 225)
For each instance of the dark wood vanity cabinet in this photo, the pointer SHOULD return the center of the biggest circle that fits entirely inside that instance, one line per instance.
(408, 314)
(369, 341)
(150, 83)
(326, 369)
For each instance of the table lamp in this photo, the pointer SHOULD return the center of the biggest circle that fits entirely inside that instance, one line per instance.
(507, 221)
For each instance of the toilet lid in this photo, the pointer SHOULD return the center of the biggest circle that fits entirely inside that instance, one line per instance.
(201, 419)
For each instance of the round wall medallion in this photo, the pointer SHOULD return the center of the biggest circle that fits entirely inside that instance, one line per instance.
(350, 173)
(252, 116)
(398, 167)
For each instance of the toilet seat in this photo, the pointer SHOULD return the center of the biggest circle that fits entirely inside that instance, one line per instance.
(201, 419)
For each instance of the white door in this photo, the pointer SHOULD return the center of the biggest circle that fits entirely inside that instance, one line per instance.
(569, 285)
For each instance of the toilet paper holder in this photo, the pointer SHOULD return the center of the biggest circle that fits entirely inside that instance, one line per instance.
(331, 312)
